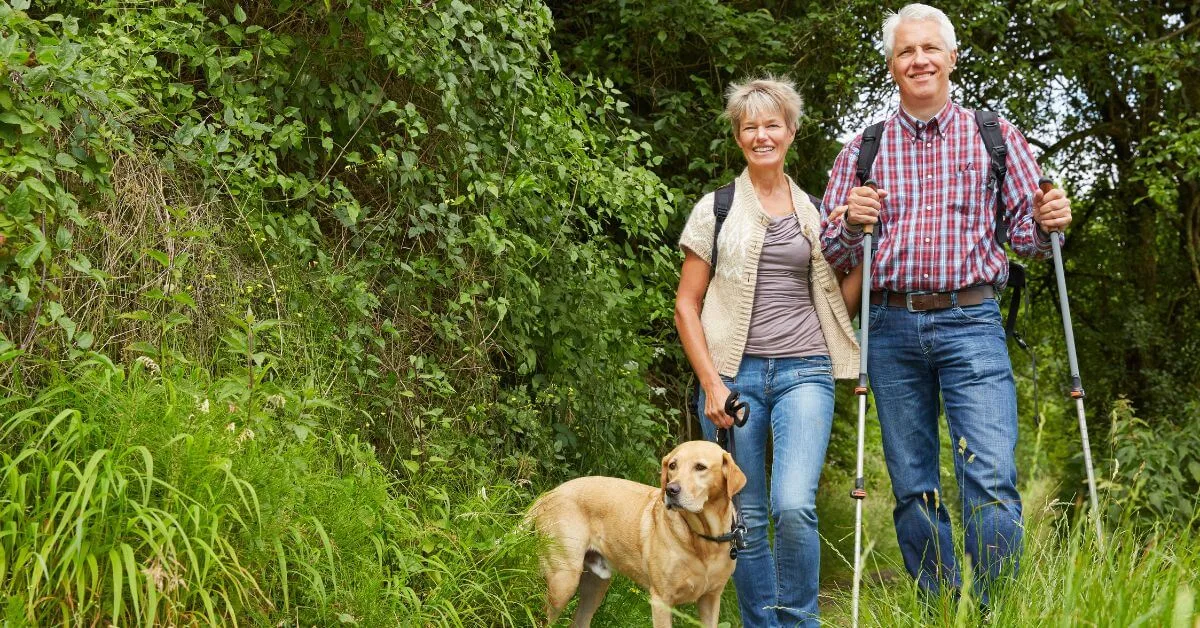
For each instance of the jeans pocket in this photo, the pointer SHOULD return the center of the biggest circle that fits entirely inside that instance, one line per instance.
(986, 313)
(816, 370)
(877, 313)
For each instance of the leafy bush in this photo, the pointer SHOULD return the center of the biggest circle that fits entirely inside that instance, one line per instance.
(1155, 473)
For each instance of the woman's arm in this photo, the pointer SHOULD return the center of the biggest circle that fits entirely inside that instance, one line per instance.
(851, 282)
(851, 285)
(689, 300)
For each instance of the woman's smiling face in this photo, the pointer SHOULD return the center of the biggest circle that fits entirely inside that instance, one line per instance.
(764, 137)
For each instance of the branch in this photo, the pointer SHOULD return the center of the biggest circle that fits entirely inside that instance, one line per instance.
(1182, 30)
(1049, 149)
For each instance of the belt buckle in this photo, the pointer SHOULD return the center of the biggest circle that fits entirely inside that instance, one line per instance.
(908, 301)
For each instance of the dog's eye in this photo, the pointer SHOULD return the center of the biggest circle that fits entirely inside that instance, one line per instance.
(671, 466)
(701, 467)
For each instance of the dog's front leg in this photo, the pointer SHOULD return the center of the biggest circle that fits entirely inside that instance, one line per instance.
(709, 606)
(660, 611)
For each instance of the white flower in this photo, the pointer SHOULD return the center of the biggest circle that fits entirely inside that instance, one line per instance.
(203, 407)
(659, 390)
(246, 435)
(232, 427)
(275, 401)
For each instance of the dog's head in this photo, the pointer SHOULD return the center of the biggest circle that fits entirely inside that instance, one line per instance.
(698, 472)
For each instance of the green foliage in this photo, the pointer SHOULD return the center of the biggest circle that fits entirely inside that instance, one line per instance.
(428, 265)
(133, 496)
(417, 195)
(1155, 469)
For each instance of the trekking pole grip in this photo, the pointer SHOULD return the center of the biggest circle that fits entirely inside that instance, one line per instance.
(1045, 185)
(874, 186)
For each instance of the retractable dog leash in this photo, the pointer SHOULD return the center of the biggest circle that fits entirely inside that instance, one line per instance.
(740, 411)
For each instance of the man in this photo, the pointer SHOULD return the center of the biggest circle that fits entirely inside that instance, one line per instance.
(935, 325)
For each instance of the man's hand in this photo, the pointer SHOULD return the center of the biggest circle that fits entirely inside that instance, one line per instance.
(864, 205)
(1052, 210)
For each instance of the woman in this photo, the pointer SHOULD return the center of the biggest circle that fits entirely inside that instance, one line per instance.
(771, 324)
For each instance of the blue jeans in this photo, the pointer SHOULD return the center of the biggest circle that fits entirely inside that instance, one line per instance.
(791, 401)
(960, 353)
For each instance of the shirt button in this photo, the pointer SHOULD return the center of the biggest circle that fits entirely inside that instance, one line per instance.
(926, 241)
(929, 207)
(927, 275)
(928, 176)
(928, 144)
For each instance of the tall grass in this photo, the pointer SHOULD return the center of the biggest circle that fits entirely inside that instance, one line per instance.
(130, 497)
(1142, 577)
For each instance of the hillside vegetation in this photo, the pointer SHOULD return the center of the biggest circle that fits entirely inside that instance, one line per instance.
(302, 303)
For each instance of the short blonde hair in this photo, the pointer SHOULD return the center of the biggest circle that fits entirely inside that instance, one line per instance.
(757, 96)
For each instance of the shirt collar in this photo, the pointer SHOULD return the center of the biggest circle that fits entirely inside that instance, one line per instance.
(936, 125)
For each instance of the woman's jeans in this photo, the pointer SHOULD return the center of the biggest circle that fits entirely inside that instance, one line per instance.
(959, 353)
(791, 403)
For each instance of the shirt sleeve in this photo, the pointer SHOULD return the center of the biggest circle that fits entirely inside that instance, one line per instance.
(841, 246)
(697, 235)
(1026, 238)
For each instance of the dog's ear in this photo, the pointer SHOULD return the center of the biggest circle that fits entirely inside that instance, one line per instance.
(662, 480)
(735, 480)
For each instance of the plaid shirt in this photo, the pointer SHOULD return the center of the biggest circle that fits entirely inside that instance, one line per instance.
(938, 230)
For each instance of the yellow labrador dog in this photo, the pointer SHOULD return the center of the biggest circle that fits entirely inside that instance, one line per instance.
(655, 536)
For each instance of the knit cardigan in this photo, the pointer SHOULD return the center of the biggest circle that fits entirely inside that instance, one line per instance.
(725, 317)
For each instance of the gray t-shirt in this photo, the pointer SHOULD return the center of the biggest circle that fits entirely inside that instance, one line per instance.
(783, 323)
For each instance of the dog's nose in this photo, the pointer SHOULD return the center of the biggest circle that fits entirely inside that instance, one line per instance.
(673, 489)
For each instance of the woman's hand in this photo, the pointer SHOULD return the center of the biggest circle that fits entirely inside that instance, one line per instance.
(714, 405)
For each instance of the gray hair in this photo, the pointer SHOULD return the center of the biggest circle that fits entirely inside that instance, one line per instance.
(763, 95)
(916, 12)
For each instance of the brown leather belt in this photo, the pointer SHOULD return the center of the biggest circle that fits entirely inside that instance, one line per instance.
(925, 301)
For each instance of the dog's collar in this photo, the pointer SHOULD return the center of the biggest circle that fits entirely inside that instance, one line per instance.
(736, 537)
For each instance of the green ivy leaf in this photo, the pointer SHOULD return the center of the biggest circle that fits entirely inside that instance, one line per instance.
(28, 255)
(68, 326)
(239, 14)
(159, 257)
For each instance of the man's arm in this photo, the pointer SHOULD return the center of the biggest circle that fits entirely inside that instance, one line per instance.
(1021, 195)
(841, 245)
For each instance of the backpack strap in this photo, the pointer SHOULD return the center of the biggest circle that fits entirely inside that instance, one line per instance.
(721, 203)
(868, 150)
(989, 127)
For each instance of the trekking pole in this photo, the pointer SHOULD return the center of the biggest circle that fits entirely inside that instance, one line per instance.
(859, 492)
(1076, 384)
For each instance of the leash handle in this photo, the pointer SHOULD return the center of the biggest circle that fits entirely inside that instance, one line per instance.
(739, 411)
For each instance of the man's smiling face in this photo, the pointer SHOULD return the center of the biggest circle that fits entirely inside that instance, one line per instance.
(921, 64)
